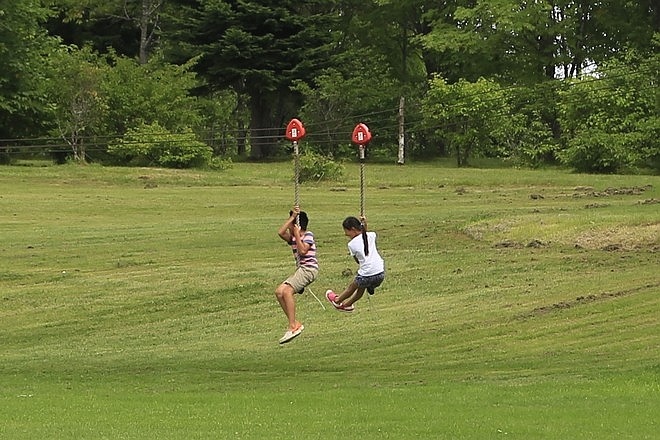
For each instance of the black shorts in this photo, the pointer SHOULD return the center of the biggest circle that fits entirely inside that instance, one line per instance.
(370, 282)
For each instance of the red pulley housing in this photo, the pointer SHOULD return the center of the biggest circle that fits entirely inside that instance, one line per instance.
(295, 130)
(361, 135)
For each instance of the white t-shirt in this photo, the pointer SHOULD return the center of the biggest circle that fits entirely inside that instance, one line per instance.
(371, 264)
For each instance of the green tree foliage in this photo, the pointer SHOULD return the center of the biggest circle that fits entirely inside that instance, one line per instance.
(361, 90)
(24, 46)
(242, 69)
(390, 30)
(527, 137)
(159, 92)
(77, 103)
(611, 121)
(94, 98)
(220, 125)
(257, 48)
(164, 94)
(502, 38)
(128, 27)
(528, 41)
(466, 116)
(152, 144)
(381, 61)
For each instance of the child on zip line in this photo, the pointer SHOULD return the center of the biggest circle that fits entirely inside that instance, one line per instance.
(294, 232)
(371, 270)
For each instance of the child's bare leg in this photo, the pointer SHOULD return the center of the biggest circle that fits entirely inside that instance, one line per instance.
(356, 296)
(347, 292)
(284, 294)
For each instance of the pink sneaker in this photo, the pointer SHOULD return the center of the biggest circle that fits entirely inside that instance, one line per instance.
(332, 296)
(343, 308)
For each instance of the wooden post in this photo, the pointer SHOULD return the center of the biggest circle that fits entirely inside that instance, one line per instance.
(402, 137)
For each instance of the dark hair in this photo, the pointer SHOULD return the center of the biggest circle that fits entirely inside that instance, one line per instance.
(354, 223)
(302, 218)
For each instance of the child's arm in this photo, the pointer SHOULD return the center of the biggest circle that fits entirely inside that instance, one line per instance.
(285, 230)
(301, 245)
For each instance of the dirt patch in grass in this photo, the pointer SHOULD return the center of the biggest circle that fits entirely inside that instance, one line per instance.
(610, 238)
(555, 228)
(621, 238)
(587, 191)
(481, 230)
(582, 300)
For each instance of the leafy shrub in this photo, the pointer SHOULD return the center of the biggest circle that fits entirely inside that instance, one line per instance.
(649, 143)
(220, 163)
(595, 151)
(465, 115)
(314, 166)
(525, 141)
(150, 145)
(156, 92)
(5, 159)
(610, 124)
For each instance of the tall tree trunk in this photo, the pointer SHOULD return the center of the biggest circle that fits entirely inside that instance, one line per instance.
(241, 148)
(148, 23)
(263, 137)
(143, 56)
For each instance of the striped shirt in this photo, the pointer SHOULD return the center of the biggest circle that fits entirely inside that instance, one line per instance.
(309, 259)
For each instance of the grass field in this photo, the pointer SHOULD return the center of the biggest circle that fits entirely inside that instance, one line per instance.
(139, 304)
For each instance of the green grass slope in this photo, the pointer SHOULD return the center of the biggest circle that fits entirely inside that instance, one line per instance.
(139, 304)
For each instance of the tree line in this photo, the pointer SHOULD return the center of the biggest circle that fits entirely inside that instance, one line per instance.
(184, 83)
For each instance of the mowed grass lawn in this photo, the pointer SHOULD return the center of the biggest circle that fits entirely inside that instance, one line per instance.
(139, 304)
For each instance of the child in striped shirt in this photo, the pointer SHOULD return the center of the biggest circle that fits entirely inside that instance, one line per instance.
(294, 232)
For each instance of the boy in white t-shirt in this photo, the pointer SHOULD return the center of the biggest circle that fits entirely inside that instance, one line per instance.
(371, 273)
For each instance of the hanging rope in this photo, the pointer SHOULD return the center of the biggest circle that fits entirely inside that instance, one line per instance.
(294, 131)
(362, 197)
(296, 186)
(362, 181)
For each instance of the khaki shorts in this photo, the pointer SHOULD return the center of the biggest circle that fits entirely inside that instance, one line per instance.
(301, 278)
